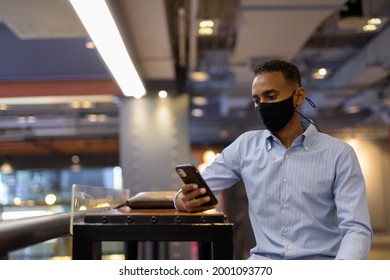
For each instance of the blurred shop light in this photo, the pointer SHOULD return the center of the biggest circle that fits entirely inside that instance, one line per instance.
(6, 167)
(101, 27)
(200, 100)
(197, 113)
(116, 257)
(11, 215)
(31, 119)
(117, 174)
(50, 199)
(86, 104)
(97, 118)
(206, 27)
(207, 158)
(26, 119)
(21, 119)
(199, 76)
(75, 167)
(17, 201)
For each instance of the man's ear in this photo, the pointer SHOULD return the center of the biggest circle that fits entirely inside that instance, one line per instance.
(300, 95)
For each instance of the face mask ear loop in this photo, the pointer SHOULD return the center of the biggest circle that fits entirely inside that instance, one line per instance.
(311, 102)
(310, 121)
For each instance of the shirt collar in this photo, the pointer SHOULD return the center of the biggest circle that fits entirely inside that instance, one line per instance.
(309, 135)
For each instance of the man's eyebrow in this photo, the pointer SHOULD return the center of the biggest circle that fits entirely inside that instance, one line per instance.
(268, 91)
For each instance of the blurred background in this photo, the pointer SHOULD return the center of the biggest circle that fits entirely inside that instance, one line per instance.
(67, 118)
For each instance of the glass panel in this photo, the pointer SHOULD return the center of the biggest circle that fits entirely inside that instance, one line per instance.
(87, 199)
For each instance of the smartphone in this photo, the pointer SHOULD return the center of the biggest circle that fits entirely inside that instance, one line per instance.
(191, 175)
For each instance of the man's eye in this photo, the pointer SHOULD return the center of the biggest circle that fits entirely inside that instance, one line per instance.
(256, 101)
(272, 97)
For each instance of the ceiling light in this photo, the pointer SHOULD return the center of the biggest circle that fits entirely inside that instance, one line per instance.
(75, 167)
(102, 117)
(197, 113)
(31, 119)
(138, 96)
(205, 31)
(352, 109)
(322, 71)
(3, 107)
(162, 94)
(75, 104)
(75, 159)
(100, 25)
(6, 167)
(199, 76)
(92, 118)
(89, 45)
(320, 74)
(369, 27)
(199, 100)
(86, 104)
(374, 21)
(206, 23)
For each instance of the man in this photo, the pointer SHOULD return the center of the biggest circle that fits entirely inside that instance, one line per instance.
(306, 192)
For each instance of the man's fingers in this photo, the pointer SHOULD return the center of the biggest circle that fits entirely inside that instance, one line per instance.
(188, 188)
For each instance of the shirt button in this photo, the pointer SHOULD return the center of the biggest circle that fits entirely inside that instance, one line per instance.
(288, 248)
(286, 156)
(306, 148)
(284, 180)
(285, 205)
(285, 230)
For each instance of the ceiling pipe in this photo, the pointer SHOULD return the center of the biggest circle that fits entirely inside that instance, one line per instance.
(182, 32)
(193, 51)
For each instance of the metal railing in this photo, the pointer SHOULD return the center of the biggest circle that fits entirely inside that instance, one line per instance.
(20, 233)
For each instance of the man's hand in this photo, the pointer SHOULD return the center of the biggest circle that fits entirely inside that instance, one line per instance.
(187, 200)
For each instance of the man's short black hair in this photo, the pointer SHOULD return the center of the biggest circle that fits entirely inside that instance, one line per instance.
(289, 70)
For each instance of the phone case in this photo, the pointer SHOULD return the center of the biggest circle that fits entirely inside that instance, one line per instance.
(190, 174)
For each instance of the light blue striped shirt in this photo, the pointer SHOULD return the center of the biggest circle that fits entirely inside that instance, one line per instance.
(305, 202)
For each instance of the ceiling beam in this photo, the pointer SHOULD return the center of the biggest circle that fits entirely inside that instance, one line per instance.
(52, 88)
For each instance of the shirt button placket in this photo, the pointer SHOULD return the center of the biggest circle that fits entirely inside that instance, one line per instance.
(284, 229)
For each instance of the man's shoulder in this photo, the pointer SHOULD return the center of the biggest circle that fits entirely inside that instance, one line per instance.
(332, 140)
(253, 134)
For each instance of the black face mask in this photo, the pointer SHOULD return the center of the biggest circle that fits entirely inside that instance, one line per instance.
(276, 115)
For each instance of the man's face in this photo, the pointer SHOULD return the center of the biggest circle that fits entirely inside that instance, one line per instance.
(270, 87)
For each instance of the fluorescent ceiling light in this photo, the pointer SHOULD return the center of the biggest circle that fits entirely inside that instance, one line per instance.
(100, 25)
